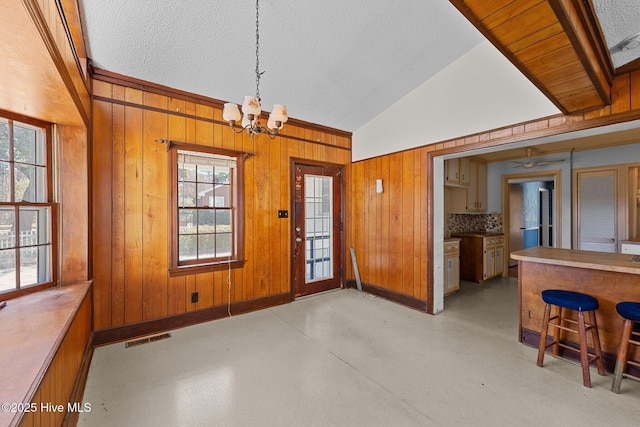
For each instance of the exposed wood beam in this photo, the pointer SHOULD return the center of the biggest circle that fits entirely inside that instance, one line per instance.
(555, 43)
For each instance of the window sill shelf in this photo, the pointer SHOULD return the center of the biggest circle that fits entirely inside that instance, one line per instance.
(184, 270)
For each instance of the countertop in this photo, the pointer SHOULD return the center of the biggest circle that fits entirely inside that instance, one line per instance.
(582, 259)
(477, 234)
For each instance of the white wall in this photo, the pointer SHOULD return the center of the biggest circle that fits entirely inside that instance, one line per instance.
(581, 159)
(480, 91)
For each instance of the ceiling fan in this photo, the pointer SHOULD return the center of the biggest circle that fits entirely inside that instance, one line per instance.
(529, 163)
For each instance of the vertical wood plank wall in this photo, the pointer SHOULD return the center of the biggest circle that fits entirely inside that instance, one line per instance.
(389, 231)
(130, 203)
(73, 198)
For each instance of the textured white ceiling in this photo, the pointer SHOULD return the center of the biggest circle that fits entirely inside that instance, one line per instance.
(619, 19)
(332, 62)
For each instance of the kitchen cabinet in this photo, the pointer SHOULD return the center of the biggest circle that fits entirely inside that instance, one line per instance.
(493, 257)
(451, 266)
(457, 171)
(481, 255)
(477, 192)
(467, 181)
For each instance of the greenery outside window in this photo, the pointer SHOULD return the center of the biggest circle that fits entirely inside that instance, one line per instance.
(206, 218)
(26, 208)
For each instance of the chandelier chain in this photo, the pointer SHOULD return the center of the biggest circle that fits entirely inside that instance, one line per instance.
(258, 73)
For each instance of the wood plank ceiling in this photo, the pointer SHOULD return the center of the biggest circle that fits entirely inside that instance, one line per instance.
(557, 44)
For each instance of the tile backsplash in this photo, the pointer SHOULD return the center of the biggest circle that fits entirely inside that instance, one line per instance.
(457, 223)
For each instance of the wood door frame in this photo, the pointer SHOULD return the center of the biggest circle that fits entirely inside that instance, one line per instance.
(506, 212)
(293, 163)
(621, 181)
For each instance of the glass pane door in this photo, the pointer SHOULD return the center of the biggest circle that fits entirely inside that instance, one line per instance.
(319, 227)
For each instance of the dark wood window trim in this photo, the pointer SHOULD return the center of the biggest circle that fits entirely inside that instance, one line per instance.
(236, 260)
(49, 203)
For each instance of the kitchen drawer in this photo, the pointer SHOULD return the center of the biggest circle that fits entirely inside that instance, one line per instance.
(450, 247)
(493, 241)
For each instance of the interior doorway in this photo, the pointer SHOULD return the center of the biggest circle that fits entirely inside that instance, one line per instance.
(531, 205)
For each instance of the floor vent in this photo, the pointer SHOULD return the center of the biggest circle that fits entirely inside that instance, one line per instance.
(147, 340)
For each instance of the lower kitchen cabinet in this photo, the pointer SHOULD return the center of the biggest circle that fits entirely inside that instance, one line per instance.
(451, 266)
(481, 256)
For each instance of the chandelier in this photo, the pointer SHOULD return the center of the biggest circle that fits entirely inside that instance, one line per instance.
(251, 105)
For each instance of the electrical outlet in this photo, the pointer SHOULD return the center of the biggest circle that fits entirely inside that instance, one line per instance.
(194, 297)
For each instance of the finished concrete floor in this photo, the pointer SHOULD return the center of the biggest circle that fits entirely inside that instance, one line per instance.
(350, 359)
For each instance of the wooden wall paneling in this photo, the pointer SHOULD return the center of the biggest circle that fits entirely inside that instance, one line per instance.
(276, 224)
(634, 90)
(285, 228)
(424, 237)
(74, 205)
(190, 287)
(190, 110)
(177, 131)
(620, 99)
(117, 215)
(407, 222)
(419, 224)
(262, 220)
(243, 289)
(367, 231)
(385, 226)
(308, 148)
(377, 201)
(204, 287)
(133, 216)
(101, 224)
(155, 213)
(368, 217)
(331, 153)
(139, 211)
(396, 225)
(344, 158)
(355, 215)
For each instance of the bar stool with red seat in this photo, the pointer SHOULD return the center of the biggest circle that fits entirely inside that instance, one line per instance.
(581, 303)
(630, 312)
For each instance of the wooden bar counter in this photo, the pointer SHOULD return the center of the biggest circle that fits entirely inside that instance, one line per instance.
(611, 278)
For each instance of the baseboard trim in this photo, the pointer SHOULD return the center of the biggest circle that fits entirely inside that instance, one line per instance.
(77, 395)
(125, 333)
(394, 296)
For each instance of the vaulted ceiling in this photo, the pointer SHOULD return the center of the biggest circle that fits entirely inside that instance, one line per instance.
(341, 63)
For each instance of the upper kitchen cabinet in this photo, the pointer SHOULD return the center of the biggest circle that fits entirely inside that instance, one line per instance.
(467, 182)
(477, 192)
(457, 172)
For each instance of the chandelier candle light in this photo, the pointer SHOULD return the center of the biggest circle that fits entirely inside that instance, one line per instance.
(251, 105)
